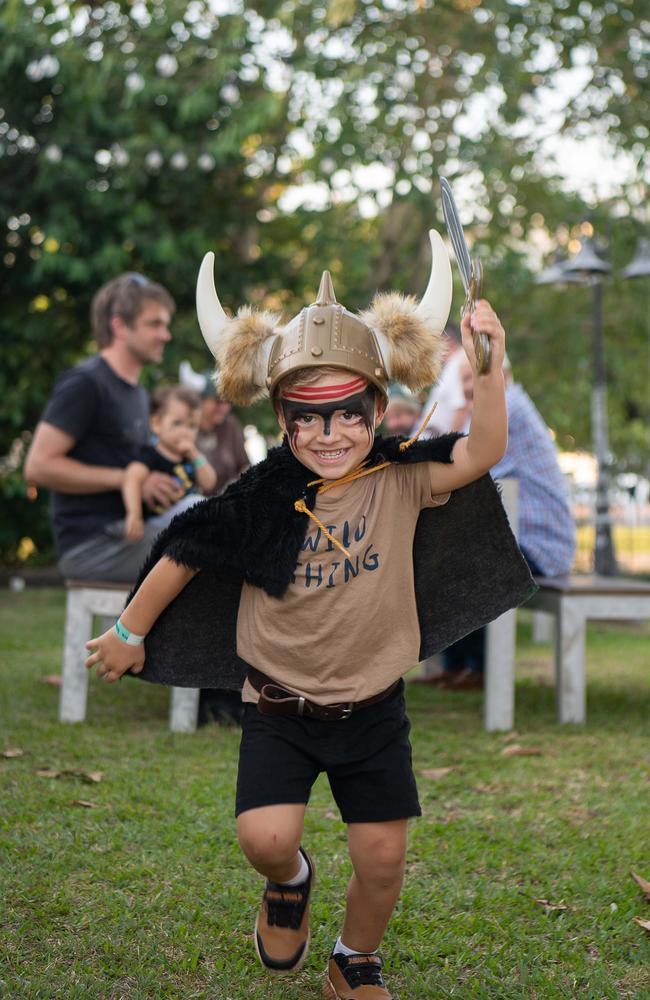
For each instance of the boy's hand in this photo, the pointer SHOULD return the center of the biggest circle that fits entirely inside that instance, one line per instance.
(114, 657)
(133, 527)
(486, 320)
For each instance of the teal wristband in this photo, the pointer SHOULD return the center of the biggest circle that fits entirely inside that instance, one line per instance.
(130, 638)
(200, 461)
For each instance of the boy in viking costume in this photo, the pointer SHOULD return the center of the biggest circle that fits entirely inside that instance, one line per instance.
(317, 580)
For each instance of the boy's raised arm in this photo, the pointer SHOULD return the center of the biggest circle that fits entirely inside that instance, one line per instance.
(115, 655)
(486, 442)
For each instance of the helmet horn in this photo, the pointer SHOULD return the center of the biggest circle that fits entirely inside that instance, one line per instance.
(435, 304)
(212, 319)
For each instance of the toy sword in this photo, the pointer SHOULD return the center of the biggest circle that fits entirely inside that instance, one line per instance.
(471, 272)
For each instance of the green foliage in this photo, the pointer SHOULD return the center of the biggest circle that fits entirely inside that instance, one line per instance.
(136, 137)
(22, 518)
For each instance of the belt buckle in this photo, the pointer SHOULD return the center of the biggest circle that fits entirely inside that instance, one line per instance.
(347, 711)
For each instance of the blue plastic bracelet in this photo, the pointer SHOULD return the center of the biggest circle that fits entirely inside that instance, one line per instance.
(130, 638)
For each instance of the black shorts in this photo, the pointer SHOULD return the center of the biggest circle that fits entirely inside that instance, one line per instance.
(367, 759)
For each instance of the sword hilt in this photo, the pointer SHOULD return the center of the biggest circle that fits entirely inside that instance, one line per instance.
(482, 349)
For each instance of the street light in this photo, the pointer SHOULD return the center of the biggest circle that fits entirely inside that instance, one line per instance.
(555, 272)
(640, 266)
(588, 268)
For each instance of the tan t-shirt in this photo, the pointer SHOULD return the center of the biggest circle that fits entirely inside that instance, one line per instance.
(345, 628)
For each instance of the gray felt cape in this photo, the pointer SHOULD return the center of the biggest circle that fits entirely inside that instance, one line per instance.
(468, 567)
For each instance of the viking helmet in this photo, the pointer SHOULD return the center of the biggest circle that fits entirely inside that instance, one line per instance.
(396, 339)
(199, 382)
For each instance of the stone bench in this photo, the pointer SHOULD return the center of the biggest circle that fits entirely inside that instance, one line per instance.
(85, 600)
(570, 602)
(500, 643)
(573, 601)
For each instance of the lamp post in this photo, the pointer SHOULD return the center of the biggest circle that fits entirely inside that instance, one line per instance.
(586, 267)
(590, 269)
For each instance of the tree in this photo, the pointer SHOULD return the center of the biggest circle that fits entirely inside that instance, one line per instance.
(296, 136)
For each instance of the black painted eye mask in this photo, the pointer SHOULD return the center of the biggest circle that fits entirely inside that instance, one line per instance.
(361, 403)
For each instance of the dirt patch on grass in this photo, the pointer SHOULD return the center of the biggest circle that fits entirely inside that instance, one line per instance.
(536, 668)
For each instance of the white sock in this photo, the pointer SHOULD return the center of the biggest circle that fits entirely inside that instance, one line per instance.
(303, 873)
(342, 949)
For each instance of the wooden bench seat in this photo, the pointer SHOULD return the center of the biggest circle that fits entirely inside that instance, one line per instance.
(85, 600)
(573, 601)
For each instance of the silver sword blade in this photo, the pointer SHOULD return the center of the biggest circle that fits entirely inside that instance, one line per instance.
(455, 230)
(472, 275)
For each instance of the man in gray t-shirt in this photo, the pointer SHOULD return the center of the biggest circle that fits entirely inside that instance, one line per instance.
(94, 424)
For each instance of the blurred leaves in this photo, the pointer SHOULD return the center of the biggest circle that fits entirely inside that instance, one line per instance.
(136, 137)
(551, 907)
(643, 885)
(90, 777)
(517, 750)
(435, 773)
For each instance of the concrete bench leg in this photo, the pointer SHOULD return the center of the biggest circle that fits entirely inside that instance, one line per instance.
(499, 700)
(542, 627)
(74, 688)
(184, 710)
(83, 604)
(499, 696)
(570, 662)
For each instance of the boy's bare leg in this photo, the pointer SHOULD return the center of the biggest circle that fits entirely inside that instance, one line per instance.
(378, 854)
(270, 837)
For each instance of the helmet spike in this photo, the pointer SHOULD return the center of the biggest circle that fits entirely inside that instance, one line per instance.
(326, 296)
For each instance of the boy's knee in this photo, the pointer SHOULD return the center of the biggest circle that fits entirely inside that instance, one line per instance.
(389, 861)
(383, 859)
(266, 846)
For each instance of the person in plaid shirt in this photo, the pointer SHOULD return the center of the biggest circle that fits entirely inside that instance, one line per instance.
(546, 525)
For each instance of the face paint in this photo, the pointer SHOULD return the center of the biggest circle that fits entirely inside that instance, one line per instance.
(361, 403)
(325, 393)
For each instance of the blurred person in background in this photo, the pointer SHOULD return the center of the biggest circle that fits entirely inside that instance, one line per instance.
(447, 393)
(175, 423)
(546, 536)
(255, 445)
(94, 425)
(221, 440)
(403, 411)
(220, 437)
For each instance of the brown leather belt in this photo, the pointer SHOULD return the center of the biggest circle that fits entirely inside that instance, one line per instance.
(276, 700)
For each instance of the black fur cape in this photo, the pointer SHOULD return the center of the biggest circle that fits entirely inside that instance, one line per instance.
(468, 567)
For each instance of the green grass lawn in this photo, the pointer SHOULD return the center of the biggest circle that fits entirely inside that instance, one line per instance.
(146, 895)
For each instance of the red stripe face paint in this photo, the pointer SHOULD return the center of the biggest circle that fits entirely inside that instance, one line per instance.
(324, 393)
